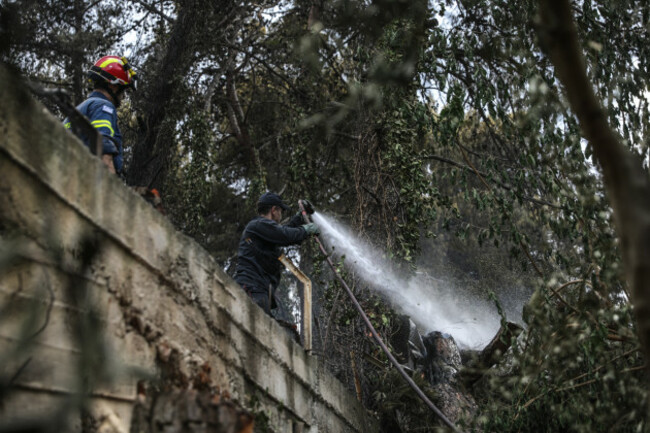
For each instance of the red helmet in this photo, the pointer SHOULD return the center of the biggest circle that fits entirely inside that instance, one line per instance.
(113, 70)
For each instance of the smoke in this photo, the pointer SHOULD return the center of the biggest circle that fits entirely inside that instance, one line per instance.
(432, 304)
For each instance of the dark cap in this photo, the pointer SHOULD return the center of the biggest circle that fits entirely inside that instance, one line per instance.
(271, 198)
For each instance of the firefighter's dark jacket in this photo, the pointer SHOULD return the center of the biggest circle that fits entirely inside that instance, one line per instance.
(258, 267)
(103, 116)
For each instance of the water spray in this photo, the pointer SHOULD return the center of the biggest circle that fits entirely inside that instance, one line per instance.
(374, 333)
(434, 304)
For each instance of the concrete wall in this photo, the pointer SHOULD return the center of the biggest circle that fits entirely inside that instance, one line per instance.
(157, 292)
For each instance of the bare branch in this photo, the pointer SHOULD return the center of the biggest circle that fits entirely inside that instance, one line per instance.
(484, 175)
(236, 115)
(152, 9)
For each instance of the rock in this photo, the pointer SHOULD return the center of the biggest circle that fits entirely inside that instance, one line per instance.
(442, 365)
(455, 402)
(478, 363)
(443, 361)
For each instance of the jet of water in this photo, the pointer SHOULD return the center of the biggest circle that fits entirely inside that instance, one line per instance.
(431, 304)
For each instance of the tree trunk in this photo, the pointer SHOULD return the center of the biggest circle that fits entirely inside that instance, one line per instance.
(626, 181)
(237, 120)
(154, 146)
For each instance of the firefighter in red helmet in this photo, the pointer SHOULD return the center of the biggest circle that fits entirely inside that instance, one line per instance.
(111, 77)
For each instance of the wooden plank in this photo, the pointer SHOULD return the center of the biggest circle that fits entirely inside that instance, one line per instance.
(306, 313)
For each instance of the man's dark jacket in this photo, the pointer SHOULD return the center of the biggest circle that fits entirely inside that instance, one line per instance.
(258, 267)
(103, 116)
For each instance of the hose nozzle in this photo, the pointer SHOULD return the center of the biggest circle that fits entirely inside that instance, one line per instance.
(306, 208)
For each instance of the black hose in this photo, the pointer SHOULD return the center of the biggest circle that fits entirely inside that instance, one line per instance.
(376, 336)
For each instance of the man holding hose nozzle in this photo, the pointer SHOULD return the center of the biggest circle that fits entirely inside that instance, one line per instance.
(258, 268)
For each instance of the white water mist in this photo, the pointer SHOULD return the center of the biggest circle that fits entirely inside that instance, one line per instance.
(431, 303)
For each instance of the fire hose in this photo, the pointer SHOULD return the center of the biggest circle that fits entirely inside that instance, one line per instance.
(374, 333)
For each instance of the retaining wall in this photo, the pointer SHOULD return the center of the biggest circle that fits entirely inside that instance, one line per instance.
(158, 293)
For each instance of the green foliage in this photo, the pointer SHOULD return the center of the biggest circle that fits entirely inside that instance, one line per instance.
(573, 370)
(261, 419)
(397, 404)
(55, 42)
(411, 120)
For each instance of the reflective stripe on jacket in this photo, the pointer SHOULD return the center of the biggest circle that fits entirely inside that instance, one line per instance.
(102, 115)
